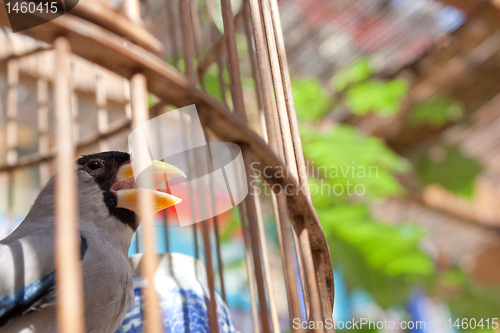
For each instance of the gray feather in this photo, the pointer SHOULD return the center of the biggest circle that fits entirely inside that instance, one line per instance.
(27, 265)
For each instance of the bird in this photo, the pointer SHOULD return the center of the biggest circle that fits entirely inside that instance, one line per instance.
(107, 200)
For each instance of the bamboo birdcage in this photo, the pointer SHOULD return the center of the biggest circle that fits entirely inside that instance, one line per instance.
(106, 58)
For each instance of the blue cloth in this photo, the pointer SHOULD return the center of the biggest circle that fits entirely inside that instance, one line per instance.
(184, 305)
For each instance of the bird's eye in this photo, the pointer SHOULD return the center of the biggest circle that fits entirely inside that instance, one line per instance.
(94, 166)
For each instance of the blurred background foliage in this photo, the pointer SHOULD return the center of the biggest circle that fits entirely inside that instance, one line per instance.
(436, 112)
(455, 172)
(382, 259)
(386, 260)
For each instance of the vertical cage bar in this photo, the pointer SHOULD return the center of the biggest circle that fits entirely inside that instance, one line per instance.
(137, 240)
(166, 231)
(290, 157)
(195, 240)
(297, 145)
(12, 109)
(214, 326)
(247, 24)
(43, 124)
(218, 46)
(202, 207)
(282, 225)
(187, 39)
(320, 269)
(189, 50)
(232, 56)
(280, 208)
(165, 220)
(188, 46)
(214, 33)
(126, 95)
(248, 262)
(74, 107)
(287, 86)
(267, 267)
(301, 268)
(172, 29)
(220, 263)
(239, 108)
(220, 74)
(195, 20)
(10, 201)
(102, 111)
(190, 164)
(69, 282)
(251, 9)
(215, 220)
(128, 115)
(263, 69)
(315, 312)
(279, 93)
(255, 246)
(140, 115)
(154, 112)
(11, 131)
(132, 10)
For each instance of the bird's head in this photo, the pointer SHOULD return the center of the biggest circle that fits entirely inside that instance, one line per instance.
(112, 171)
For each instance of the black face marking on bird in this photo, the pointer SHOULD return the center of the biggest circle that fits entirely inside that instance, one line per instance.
(103, 167)
(113, 173)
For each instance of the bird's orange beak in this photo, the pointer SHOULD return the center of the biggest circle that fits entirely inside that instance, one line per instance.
(127, 191)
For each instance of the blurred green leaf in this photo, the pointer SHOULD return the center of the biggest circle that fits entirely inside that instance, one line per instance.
(383, 98)
(151, 101)
(344, 156)
(211, 81)
(180, 63)
(381, 258)
(390, 248)
(358, 71)
(456, 172)
(436, 112)
(311, 101)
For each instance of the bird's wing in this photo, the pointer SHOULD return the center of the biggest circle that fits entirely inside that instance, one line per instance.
(27, 275)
